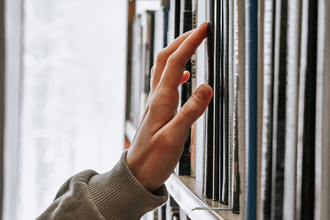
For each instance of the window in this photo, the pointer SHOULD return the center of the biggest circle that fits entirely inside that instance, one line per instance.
(73, 95)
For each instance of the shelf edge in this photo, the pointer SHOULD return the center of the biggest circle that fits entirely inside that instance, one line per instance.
(188, 201)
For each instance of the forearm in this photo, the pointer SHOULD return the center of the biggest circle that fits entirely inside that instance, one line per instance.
(116, 194)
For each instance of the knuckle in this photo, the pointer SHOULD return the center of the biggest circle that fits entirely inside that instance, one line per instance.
(173, 60)
(161, 57)
(152, 70)
(187, 110)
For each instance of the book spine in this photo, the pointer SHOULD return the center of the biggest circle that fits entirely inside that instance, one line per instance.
(293, 62)
(200, 128)
(306, 118)
(225, 91)
(239, 192)
(251, 57)
(208, 179)
(229, 147)
(193, 88)
(279, 106)
(166, 12)
(186, 24)
(136, 71)
(159, 28)
(147, 56)
(233, 163)
(322, 131)
(217, 150)
(266, 164)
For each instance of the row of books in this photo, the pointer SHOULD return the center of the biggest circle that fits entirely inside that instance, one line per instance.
(293, 49)
(262, 145)
(212, 160)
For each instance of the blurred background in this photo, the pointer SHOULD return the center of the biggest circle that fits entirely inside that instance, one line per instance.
(70, 98)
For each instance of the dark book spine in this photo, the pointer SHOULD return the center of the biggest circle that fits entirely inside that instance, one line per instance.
(208, 178)
(186, 24)
(306, 118)
(177, 13)
(166, 24)
(279, 109)
(251, 61)
(217, 125)
(225, 91)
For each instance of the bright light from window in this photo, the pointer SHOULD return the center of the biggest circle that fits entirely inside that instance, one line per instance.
(73, 94)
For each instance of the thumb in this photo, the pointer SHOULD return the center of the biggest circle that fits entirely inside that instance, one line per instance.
(193, 108)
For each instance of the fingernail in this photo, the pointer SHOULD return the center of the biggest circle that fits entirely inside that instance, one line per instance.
(203, 93)
(202, 26)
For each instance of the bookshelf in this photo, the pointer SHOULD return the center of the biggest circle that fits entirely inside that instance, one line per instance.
(261, 147)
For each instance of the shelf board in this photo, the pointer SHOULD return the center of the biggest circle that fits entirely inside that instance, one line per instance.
(188, 194)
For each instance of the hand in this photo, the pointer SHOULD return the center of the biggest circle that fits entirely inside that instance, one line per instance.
(159, 140)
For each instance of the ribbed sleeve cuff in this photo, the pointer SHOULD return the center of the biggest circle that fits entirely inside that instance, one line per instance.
(119, 195)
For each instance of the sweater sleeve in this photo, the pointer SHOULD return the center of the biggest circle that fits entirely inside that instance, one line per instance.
(119, 195)
(116, 194)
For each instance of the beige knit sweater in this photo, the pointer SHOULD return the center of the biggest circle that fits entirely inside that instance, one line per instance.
(116, 194)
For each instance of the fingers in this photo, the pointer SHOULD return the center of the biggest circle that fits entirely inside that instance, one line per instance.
(175, 63)
(185, 77)
(164, 55)
(191, 110)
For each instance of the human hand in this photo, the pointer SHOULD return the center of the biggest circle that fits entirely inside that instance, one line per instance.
(159, 140)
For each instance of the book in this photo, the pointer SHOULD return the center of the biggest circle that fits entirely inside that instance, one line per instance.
(159, 32)
(161, 212)
(200, 79)
(293, 62)
(251, 63)
(267, 118)
(174, 20)
(209, 79)
(279, 109)
(217, 112)
(261, 7)
(173, 33)
(186, 25)
(233, 176)
(148, 25)
(229, 120)
(166, 13)
(322, 122)
(172, 209)
(239, 201)
(306, 112)
(130, 21)
(194, 6)
(225, 96)
(136, 71)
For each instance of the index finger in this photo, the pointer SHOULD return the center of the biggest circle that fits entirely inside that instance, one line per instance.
(175, 63)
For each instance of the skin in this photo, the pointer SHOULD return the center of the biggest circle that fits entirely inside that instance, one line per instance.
(159, 140)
